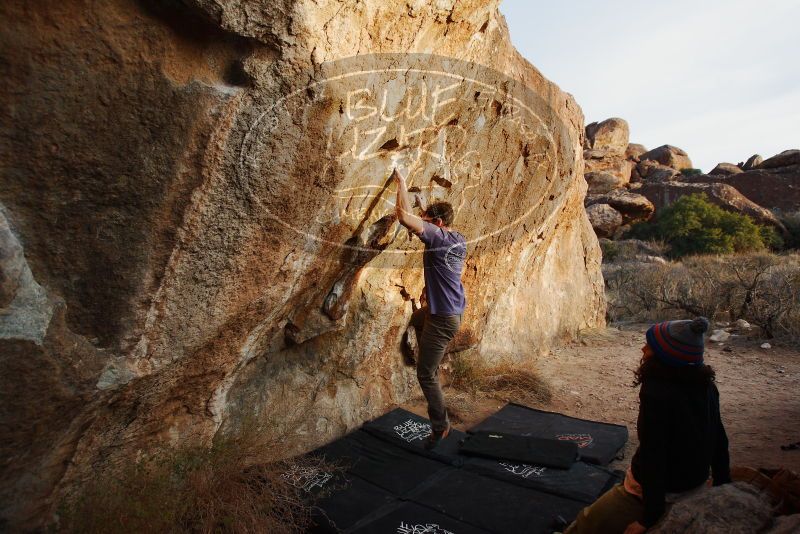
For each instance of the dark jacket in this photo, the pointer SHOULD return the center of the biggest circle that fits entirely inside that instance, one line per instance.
(681, 437)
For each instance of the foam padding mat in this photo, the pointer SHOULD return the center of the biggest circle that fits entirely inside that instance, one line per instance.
(382, 480)
(522, 449)
(598, 443)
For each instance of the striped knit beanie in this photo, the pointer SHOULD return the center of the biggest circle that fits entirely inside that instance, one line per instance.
(678, 343)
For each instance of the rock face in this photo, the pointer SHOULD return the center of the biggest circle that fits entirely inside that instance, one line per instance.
(199, 221)
(774, 189)
(616, 166)
(633, 206)
(612, 169)
(723, 195)
(610, 135)
(736, 508)
(606, 143)
(784, 159)
(669, 155)
(773, 184)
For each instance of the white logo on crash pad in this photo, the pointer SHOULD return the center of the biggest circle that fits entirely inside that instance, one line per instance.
(523, 470)
(427, 528)
(413, 430)
(583, 440)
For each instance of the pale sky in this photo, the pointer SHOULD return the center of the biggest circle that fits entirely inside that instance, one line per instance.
(717, 78)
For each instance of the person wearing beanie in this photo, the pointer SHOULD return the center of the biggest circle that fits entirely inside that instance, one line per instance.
(681, 435)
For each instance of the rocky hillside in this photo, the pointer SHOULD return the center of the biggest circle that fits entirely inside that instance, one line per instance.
(628, 183)
(196, 227)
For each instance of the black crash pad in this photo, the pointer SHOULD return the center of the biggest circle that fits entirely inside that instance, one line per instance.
(554, 453)
(344, 502)
(410, 431)
(494, 505)
(583, 482)
(379, 462)
(597, 442)
(410, 518)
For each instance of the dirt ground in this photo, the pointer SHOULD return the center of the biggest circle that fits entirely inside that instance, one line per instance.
(590, 379)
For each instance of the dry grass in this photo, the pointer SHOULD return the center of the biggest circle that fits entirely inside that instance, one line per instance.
(506, 380)
(231, 487)
(762, 288)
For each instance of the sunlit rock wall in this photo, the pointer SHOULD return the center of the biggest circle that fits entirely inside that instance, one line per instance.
(196, 217)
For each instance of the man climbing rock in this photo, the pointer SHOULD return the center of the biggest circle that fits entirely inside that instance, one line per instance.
(443, 262)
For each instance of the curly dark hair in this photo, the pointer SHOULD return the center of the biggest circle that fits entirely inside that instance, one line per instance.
(441, 210)
(654, 368)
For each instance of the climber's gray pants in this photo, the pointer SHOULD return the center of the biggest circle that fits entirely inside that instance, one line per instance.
(436, 334)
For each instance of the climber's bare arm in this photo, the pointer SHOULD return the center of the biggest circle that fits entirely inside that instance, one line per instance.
(403, 207)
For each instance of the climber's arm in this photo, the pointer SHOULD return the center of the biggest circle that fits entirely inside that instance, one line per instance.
(403, 208)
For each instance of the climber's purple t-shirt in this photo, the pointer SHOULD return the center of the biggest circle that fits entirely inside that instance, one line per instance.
(443, 259)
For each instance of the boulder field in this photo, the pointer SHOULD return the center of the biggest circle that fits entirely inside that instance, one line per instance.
(628, 183)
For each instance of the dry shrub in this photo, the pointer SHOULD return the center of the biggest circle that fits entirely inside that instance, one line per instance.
(762, 288)
(506, 380)
(233, 486)
(461, 405)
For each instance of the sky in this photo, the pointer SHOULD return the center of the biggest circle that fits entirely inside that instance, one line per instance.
(719, 79)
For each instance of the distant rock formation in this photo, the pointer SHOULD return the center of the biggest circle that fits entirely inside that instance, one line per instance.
(642, 181)
(726, 169)
(723, 195)
(669, 156)
(199, 223)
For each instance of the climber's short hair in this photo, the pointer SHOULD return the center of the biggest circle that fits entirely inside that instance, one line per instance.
(441, 210)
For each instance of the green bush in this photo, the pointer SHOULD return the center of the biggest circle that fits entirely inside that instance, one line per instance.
(693, 225)
(688, 171)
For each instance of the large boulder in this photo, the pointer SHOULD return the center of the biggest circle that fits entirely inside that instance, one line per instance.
(602, 161)
(736, 508)
(721, 194)
(633, 206)
(652, 171)
(777, 188)
(752, 162)
(610, 135)
(725, 169)
(635, 151)
(670, 156)
(604, 219)
(200, 192)
(602, 182)
(784, 159)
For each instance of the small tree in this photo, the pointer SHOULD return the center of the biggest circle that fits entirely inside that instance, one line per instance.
(693, 225)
